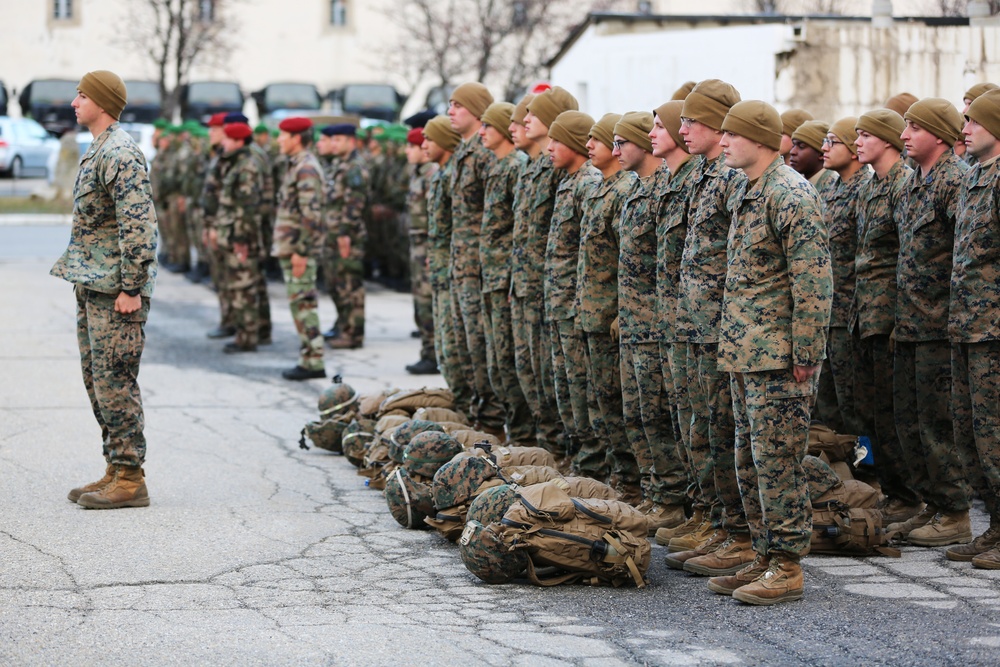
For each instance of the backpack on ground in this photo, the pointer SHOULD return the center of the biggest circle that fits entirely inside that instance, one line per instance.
(846, 522)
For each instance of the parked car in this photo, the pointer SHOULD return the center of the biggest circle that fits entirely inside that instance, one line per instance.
(283, 97)
(200, 99)
(145, 104)
(26, 147)
(49, 101)
(374, 101)
(3, 99)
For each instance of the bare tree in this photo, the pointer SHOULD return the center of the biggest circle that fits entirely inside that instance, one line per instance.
(961, 7)
(175, 35)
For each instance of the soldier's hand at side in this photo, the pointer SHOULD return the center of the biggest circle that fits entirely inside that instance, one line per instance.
(181, 204)
(126, 304)
(298, 265)
(242, 251)
(344, 246)
(615, 331)
(803, 373)
(213, 239)
(892, 340)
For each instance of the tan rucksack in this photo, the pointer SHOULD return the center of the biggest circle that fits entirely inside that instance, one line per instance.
(846, 522)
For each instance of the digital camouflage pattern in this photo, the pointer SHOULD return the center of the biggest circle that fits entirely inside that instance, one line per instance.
(496, 234)
(404, 433)
(428, 450)
(975, 276)
(486, 556)
(490, 505)
(409, 499)
(637, 317)
(457, 482)
(420, 285)
(976, 410)
(671, 237)
(347, 198)
(338, 399)
(533, 203)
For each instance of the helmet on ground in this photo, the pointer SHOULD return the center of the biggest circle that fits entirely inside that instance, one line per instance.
(428, 451)
(336, 399)
(402, 434)
(486, 556)
(490, 505)
(409, 500)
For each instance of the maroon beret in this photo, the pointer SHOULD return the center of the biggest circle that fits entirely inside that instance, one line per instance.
(217, 120)
(415, 136)
(295, 124)
(237, 130)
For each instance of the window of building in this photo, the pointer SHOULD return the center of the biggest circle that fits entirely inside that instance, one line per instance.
(62, 9)
(338, 12)
(206, 10)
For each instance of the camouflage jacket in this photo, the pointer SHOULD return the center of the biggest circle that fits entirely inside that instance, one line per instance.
(159, 176)
(926, 240)
(209, 201)
(841, 204)
(975, 278)
(439, 226)
(597, 268)
(562, 249)
(468, 196)
(779, 283)
(671, 231)
(416, 198)
(703, 262)
(497, 232)
(298, 227)
(637, 319)
(873, 310)
(112, 244)
(533, 202)
(238, 219)
(825, 181)
(347, 196)
(267, 192)
(329, 164)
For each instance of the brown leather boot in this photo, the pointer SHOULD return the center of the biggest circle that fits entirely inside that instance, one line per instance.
(664, 535)
(943, 529)
(985, 542)
(781, 582)
(726, 585)
(663, 516)
(127, 488)
(731, 557)
(710, 544)
(690, 541)
(75, 494)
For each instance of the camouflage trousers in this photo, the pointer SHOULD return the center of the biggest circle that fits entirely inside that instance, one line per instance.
(701, 477)
(349, 286)
(302, 302)
(569, 366)
(771, 412)
(976, 405)
(449, 354)
(502, 368)
(610, 457)
(178, 242)
(162, 210)
(111, 345)
(826, 408)
(196, 228)
(921, 385)
(330, 269)
(649, 425)
(874, 378)
(712, 429)
(420, 286)
(217, 269)
(842, 355)
(467, 312)
(533, 357)
(250, 306)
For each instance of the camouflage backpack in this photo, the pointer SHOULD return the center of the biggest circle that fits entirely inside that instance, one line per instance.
(400, 437)
(486, 556)
(847, 522)
(428, 451)
(409, 499)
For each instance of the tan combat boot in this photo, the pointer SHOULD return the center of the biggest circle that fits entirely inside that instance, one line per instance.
(726, 585)
(781, 582)
(690, 541)
(75, 494)
(919, 520)
(895, 510)
(944, 528)
(714, 541)
(988, 560)
(127, 488)
(664, 535)
(645, 506)
(663, 516)
(985, 542)
(731, 557)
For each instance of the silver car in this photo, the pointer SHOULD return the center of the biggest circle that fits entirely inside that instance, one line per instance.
(26, 148)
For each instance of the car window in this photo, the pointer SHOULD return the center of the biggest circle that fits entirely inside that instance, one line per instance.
(34, 130)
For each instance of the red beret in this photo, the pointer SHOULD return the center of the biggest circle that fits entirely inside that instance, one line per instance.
(415, 136)
(217, 120)
(296, 124)
(237, 130)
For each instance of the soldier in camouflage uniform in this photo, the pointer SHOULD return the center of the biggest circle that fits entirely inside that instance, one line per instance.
(423, 168)
(440, 142)
(192, 182)
(159, 175)
(472, 163)
(776, 309)
(790, 121)
(609, 452)
(238, 234)
(328, 268)
(921, 374)
(175, 238)
(268, 199)
(347, 197)
(298, 239)
(972, 323)
(567, 148)
(209, 205)
(873, 310)
(533, 203)
(840, 203)
(494, 251)
(111, 261)
(178, 200)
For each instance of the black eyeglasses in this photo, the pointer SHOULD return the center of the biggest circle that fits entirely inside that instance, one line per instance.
(618, 144)
(827, 141)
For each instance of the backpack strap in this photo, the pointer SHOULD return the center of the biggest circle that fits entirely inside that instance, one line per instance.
(564, 578)
(406, 497)
(623, 556)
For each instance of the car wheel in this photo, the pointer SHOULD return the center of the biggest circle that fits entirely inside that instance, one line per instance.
(16, 167)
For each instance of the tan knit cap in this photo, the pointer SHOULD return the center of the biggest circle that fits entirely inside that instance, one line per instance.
(885, 124)
(604, 129)
(440, 131)
(670, 117)
(106, 89)
(683, 91)
(497, 116)
(551, 103)
(521, 110)
(572, 128)
(985, 110)
(473, 96)
(757, 121)
(812, 133)
(635, 126)
(844, 130)
(791, 119)
(900, 103)
(973, 93)
(939, 117)
(709, 102)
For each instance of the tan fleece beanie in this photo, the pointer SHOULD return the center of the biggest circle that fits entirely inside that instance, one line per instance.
(709, 102)
(572, 128)
(844, 130)
(473, 96)
(670, 117)
(885, 124)
(497, 116)
(551, 103)
(440, 131)
(106, 89)
(604, 129)
(635, 126)
(812, 133)
(757, 121)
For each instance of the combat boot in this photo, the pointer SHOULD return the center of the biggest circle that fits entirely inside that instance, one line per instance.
(731, 557)
(645, 506)
(895, 510)
(75, 494)
(664, 535)
(988, 560)
(701, 533)
(919, 520)
(985, 542)
(781, 582)
(726, 585)
(714, 541)
(127, 488)
(663, 516)
(944, 528)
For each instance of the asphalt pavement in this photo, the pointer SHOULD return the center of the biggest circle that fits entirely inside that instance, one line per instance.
(255, 552)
